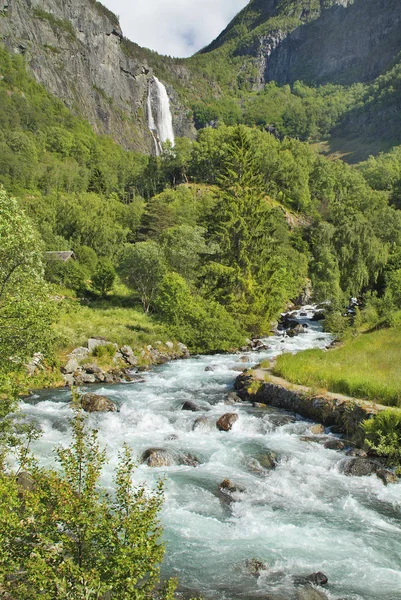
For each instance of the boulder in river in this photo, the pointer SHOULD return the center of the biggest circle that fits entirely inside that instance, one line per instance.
(297, 330)
(254, 566)
(209, 369)
(191, 406)
(387, 477)
(161, 457)
(226, 422)
(318, 578)
(203, 423)
(317, 429)
(158, 457)
(360, 467)
(95, 403)
(334, 444)
(232, 398)
(227, 491)
(308, 592)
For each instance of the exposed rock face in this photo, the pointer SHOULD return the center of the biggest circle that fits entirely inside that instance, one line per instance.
(77, 51)
(339, 41)
(355, 42)
(96, 403)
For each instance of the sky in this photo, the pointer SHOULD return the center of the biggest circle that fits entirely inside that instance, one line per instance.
(174, 27)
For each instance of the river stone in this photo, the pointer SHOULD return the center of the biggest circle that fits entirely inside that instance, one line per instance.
(310, 593)
(92, 369)
(262, 466)
(360, 467)
(96, 403)
(188, 405)
(232, 398)
(209, 369)
(334, 444)
(387, 477)
(71, 366)
(203, 423)
(158, 457)
(280, 420)
(317, 429)
(80, 353)
(84, 378)
(69, 380)
(226, 422)
(254, 566)
(318, 578)
(318, 316)
(227, 489)
(297, 330)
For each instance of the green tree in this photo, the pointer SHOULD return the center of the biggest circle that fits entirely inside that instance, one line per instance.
(65, 538)
(145, 266)
(104, 277)
(26, 312)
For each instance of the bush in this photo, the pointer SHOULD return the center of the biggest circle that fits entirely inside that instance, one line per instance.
(106, 351)
(383, 434)
(63, 537)
(104, 277)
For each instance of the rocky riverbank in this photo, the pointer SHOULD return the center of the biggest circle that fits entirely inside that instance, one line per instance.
(337, 414)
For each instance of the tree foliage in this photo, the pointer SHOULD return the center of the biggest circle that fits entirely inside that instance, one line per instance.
(64, 537)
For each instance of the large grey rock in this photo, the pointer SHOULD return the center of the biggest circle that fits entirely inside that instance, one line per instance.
(96, 403)
(158, 457)
(161, 457)
(80, 353)
(71, 366)
(92, 368)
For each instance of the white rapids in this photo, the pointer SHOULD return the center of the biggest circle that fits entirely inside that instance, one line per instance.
(302, 517)
(160, 120)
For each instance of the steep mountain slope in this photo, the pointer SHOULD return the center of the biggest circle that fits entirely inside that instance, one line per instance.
(77, 50)
(316, 41)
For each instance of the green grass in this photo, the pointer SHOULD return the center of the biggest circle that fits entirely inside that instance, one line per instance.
(115, 323)
(367, 366)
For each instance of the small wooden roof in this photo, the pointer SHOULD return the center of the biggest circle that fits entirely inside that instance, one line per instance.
(63, 256)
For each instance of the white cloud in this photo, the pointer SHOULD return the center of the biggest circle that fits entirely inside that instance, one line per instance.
(174, 27)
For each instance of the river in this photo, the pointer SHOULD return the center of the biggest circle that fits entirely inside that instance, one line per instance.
(301, 517)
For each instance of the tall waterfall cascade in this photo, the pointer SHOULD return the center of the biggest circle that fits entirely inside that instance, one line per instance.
(160, 121)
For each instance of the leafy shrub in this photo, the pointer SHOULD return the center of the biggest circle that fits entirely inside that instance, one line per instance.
(106, 351)
(383, 434)
(104, 277)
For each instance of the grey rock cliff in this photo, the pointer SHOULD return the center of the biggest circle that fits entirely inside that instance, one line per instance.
(355, 42)
(77, 51)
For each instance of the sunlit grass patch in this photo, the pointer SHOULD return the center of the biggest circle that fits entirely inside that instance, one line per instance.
(367, 366)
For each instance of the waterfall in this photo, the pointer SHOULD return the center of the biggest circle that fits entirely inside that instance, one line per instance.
(160, 121)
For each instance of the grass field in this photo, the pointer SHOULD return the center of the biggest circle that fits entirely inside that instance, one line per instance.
(367, 366)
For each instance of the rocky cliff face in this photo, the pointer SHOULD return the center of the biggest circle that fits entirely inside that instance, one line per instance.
(77, 51)
(317, 41)
(345, 44)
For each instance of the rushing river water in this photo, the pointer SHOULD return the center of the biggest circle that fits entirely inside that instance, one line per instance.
(303, 516)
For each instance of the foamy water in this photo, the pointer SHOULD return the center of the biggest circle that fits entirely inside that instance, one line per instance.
(301, 517)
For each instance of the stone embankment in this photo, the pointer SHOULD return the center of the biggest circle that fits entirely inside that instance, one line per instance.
(342, 413)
